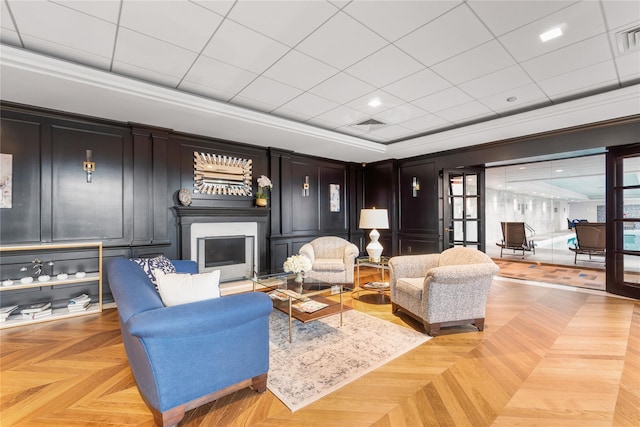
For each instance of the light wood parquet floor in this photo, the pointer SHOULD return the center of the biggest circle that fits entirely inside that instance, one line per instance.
(547, 357)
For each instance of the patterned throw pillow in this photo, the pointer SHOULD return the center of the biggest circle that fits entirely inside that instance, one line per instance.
(160, 262)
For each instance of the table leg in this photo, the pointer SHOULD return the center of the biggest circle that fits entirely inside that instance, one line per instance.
(341, 306)
(290, 322)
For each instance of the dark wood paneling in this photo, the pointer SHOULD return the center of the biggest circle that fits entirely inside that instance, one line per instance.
(333, 221)
(305, 209)
(418, 213)
(83, 210)
(142, 189)
(21, 222)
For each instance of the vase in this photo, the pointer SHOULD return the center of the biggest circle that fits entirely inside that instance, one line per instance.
(298, 278)
(261, 202)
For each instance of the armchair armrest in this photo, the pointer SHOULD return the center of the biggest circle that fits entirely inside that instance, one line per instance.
(307, 250)
(350, 254)
(202, 317)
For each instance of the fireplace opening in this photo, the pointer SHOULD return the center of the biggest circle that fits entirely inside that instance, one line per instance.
(232, 255)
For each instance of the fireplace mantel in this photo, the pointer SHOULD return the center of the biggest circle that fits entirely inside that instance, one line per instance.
(189, 215)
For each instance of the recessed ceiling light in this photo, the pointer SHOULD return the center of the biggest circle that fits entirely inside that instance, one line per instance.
(375, 102)
(512, 99)
(558, 170)
(551, 34)
(522, 167)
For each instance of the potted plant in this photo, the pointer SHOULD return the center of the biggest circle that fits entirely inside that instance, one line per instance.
(261, 195)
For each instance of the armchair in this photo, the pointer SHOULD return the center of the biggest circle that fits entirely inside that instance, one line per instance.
(184, 356)
(332, 259)
(446, 289)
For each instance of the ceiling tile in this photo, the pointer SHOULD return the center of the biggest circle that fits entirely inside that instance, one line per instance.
(417, 85)
(286, 21)
(570, 58)
(474, 63)
(58, 24)
(5, 17)
(151, 54)
(598, 75)
(466, 112)
(453, 33)
(425, 123)
(497, 82)
(107, 10)
(339, 116)
(306, 106)
(244, 48)
(67, 53)
(221, 7)
(299, 70)
(629, 66)
(385, 66)
(442, 100)
(269, 92)
(578, 22)
(400, 114)
(341, 42)
(504, 16)
(525, 95)
(387, 101)
(145, 74)
(10, 37)
(394, 19)
(342, 88)
(218, 75)
(181, 23)
(207, 91)
(621, 13)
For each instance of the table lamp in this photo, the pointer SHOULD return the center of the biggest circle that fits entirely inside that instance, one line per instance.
(373, 219)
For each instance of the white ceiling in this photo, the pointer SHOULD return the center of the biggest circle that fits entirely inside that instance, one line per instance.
(298, 74)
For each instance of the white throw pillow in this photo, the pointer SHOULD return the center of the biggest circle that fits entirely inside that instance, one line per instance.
(177, 288)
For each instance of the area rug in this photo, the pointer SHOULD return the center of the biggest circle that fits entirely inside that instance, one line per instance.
(324, 356)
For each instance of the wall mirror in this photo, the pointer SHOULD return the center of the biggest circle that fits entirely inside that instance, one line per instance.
(216, 174)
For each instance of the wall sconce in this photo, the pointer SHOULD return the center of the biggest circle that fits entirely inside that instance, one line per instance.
(88, 165)
(305, 187)
(415, 187)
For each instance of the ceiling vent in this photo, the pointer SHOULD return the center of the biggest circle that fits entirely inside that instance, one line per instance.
(369, 124)
(628, 40)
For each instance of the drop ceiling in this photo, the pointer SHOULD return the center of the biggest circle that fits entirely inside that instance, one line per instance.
(300, 74)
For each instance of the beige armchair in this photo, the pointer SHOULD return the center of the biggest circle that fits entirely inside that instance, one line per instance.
(332, 259)
(446, 289)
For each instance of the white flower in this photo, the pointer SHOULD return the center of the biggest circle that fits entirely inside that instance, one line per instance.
(263, 182)
(297, 264)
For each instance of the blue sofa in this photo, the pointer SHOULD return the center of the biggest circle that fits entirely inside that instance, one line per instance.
(187, 355)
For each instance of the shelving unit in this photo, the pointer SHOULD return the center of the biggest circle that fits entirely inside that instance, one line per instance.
(61, 312)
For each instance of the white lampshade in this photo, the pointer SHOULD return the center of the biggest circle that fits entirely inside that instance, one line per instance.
(372, 219)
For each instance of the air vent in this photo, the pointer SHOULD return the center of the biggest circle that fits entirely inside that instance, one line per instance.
(628, 40)
(368, 124)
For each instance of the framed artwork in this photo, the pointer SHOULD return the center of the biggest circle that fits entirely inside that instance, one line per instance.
(334, 197)
(6, 177)
(215, 174)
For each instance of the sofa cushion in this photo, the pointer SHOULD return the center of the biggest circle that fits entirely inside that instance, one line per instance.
(179, 288)
(328, 264)
(160, 262)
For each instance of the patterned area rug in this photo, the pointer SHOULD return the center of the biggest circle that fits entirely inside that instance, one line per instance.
(324, 357)
(581, 277)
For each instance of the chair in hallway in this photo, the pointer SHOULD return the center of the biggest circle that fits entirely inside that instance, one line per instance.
(514, 237)
(590, 239)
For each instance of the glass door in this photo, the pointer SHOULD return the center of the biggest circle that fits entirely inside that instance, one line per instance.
(623, 208)
(463, 208)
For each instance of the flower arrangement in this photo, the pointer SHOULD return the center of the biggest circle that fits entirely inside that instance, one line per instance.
(263, 183)
(297, 264)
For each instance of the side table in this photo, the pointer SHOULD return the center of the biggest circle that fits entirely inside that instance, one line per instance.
(378, 287)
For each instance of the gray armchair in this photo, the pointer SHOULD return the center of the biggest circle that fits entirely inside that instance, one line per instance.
(332, 259)
(446, 289)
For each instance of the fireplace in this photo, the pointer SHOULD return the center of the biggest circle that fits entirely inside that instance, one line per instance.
(226, 227)
(232, 255)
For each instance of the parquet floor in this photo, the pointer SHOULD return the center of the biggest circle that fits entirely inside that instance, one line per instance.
(547, 357)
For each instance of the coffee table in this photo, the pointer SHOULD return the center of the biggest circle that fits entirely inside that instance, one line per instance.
(306, 301)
